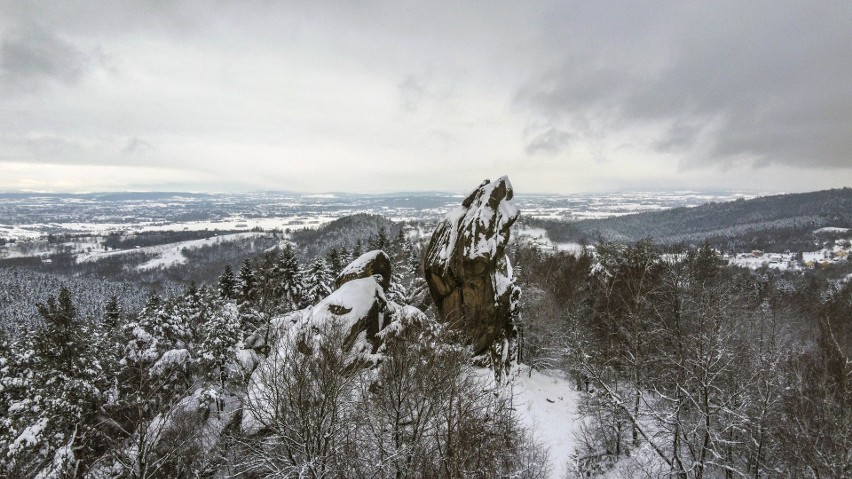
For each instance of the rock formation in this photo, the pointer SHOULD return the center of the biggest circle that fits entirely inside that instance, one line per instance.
(470, 277)
(358, 309)
(375, 262)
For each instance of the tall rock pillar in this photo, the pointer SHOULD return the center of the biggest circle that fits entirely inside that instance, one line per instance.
(470, 277)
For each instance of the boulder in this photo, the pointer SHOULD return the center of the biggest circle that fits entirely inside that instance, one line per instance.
(360, 308)
(469, 275)
(371, 263)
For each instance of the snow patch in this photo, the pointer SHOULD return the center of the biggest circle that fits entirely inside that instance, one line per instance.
(547, 404)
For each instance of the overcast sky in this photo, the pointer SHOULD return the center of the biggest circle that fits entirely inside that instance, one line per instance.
(372, 97)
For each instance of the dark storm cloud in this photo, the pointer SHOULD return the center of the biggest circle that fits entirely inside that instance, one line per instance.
(727, 82)
(27, 60)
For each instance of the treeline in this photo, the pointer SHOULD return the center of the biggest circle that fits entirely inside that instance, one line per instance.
(117, 240)
(204, 263)
(350, 233)
(22, 289)
(792, 218)
(694, 368)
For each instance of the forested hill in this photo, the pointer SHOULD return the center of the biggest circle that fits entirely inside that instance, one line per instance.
(789, 215)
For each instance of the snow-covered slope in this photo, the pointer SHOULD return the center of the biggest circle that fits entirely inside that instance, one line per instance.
(168, 254)
(546, 402)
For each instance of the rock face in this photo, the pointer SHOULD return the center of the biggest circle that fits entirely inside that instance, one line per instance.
(470, 277)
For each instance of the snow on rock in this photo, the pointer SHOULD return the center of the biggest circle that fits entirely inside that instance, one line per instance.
(247, 359)
(375, 262)
(470, 276)
(358, 309)
(357, 306)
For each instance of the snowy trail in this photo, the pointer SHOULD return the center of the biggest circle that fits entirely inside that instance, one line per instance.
(547, 403)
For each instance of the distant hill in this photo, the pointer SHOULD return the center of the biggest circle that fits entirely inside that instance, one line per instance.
(769, 222)
(343, 232)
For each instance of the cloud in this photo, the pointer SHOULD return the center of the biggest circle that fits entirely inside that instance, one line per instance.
(27, 61)
(49, 149)
(730, 83)
(551, 141)
(331, 96)
(137, 146)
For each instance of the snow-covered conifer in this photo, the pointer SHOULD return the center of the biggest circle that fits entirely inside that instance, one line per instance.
(291, 280)
(220, 337)
(317, 281)
(227, 283)
(246, 283)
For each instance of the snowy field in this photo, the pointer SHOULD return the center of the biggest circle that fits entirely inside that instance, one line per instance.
(168, 254)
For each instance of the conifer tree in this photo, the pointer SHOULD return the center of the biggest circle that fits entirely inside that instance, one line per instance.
(317, 281)
(112, 313)
(382, 241)
(56, 428)
(267, 280)
(345, 256)
(246, 281)
(291, 280)
(397, 247)
(335, 264)
(220, 337)
(227, 283)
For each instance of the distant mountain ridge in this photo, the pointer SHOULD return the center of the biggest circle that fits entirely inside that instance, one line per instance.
(741, 220)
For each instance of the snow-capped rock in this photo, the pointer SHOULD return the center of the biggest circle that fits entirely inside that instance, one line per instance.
(470, 277)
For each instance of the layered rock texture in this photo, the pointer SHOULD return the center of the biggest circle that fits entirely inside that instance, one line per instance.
(470, 276)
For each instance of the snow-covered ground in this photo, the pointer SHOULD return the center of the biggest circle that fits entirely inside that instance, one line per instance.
(752, 260)
(167, 254)
(538, 237)
(547, 403)
(831, 229)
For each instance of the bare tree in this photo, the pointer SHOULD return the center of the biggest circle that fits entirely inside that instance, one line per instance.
(298, 407)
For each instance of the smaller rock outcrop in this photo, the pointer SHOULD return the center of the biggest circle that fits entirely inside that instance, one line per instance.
(371, 263)
(357, 312)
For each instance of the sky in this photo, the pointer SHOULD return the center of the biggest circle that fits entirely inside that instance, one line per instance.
(384, 96)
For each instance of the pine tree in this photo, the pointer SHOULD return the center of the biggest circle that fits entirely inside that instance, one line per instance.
(246, 280)
(382, 241)
(220, 337)
(317, 281)
(291, 280)
(63, 398)
(267, 281)
(345, 256)
(112, 313)
(357, 250)
(397, 247)
(335, 264)
(227, 283)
